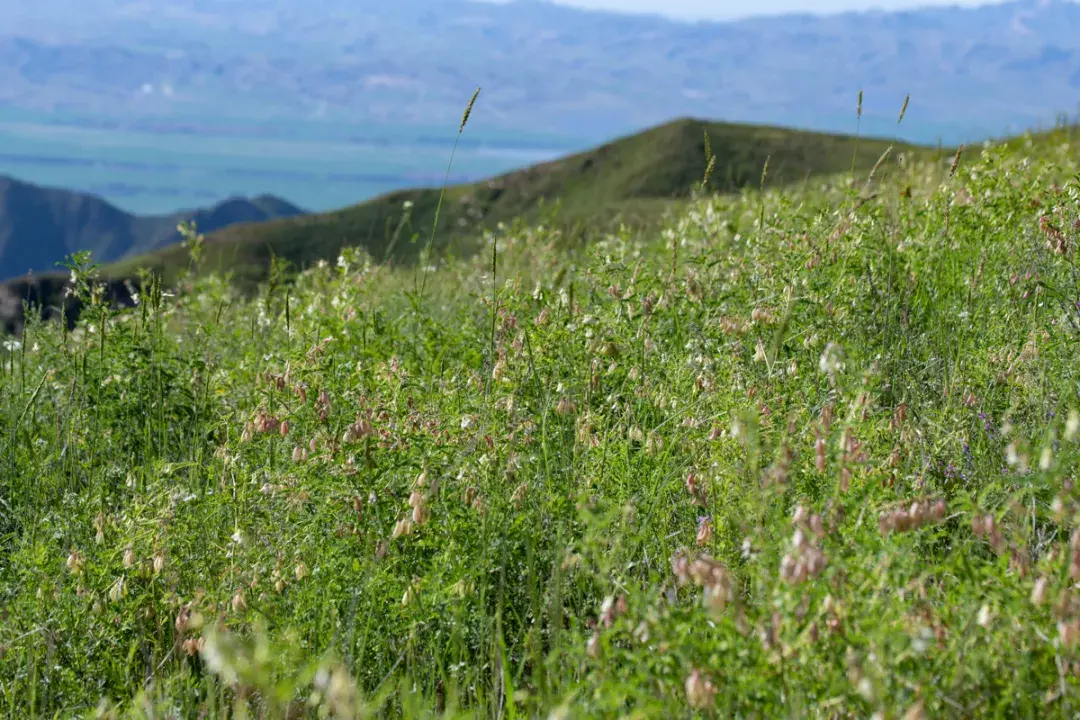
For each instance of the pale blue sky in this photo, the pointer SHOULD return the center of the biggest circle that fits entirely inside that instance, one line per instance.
(729, 9)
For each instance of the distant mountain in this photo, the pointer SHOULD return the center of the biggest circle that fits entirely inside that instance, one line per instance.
(971, 71)
(630, 180)
(41, 226)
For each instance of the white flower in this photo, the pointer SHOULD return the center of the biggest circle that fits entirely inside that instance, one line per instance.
(1072, 426)
(117, 590)
(832, 359)
(217, 662)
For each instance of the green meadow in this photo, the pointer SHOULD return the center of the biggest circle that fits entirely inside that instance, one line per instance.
(806, 451)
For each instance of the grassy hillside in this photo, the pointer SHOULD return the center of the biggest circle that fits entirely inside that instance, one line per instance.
(632, 180)
(41, 226)
(788, 455)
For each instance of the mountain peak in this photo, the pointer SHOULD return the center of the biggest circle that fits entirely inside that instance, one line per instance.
(40, 226)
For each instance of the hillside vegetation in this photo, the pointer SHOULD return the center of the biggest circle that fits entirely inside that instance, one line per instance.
(809, 452)
(632, 180)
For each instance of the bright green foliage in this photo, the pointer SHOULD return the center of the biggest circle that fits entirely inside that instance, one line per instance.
(333, 498)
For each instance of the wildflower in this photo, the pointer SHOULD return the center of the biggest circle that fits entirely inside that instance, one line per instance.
(695, 488)
(832, 359)
(747, 550)
(403, 527)
(300, 571)
(593, 647)
(1068, 632)
(470, 495)
(238, 602)
(118, 589)
(1072, 426)
(759, 352)
(611, 609)
(1046, 458)
(705, 532)
(680, 566)
(420, 514)
(819, 452)
(912, 518)
(1038, 593)
(129, 556)
(937, 511)
(518, 498)
(75, 562)
(787, 568)
(700, 691)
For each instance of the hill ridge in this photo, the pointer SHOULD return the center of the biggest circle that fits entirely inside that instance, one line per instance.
(631, 179)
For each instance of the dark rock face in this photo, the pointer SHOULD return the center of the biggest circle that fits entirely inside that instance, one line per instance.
(47, 296)
(41, 226)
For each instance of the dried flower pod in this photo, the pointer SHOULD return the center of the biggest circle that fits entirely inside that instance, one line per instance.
(700, 690)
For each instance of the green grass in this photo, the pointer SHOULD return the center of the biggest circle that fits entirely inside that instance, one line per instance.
(331, 497)
(631, 181)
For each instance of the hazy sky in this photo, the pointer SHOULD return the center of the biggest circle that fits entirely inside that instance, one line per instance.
(727, 9)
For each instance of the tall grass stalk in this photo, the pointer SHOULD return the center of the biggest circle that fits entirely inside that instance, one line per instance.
(442, 192)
